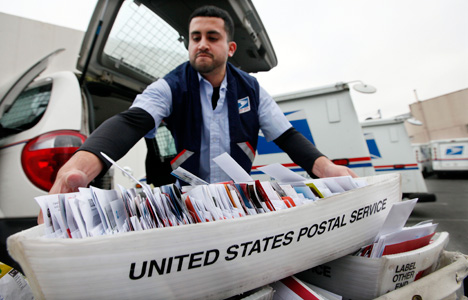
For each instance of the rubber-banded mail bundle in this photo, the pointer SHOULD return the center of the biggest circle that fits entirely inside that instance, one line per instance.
(206, 260)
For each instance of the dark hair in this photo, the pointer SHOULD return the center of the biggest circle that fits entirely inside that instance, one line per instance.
(213, 11)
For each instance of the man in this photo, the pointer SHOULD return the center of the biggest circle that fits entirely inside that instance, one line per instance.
(200, 102)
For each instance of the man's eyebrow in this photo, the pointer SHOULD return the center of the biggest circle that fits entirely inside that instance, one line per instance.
(214, 32)
(209, 32)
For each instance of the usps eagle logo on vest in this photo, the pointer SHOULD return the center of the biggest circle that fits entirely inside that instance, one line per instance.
(244, 105)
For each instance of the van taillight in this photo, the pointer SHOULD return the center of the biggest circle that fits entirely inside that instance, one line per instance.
(43, 156)
(341, 161)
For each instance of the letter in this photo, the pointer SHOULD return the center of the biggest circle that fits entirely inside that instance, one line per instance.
(269, 238)
(323, 270)
(154, 264)
(384, 202)
(337, 223)
(233, 253)
(378, 206)
(207, 257)
(288, 238)
(255, 247)
(181, 260)
(353, 217)
(343, 223)
(169, 265)
(309, 235)
(372, 208)
(397, 270)
(132, 271)
(245, 247)
(277, 241)
(330, 223)
(360, 214)
(409, 275)
(302, 232)
(401, 284)
(322, 227)
(366, 211)
(193, 259)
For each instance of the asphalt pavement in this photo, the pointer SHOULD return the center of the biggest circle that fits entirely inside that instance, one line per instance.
(450, 210)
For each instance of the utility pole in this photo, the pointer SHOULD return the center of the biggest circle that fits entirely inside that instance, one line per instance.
(421, 107)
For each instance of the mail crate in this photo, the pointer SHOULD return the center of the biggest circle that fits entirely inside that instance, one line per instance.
(357, 277)
(212, 260)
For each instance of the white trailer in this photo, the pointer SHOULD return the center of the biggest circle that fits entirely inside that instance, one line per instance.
(391, 151)
(326, 116)
(449, 155)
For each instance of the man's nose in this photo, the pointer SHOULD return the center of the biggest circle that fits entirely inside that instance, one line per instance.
(203, 44)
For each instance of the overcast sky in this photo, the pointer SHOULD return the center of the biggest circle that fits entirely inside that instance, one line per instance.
(396, 46)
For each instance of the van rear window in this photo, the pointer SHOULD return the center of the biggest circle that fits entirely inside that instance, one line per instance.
(143, 42)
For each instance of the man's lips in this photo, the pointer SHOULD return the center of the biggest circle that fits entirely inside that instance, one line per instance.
(204, 54)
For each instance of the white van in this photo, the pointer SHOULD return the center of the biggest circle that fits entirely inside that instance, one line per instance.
(391, 151)
(128, 45)
(449, 155)
(325, 116)
(422, 154)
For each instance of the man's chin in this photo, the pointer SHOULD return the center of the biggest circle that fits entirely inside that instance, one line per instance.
(203, 69)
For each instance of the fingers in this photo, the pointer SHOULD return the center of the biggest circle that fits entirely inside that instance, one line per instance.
(335, 171)
(69, 182)
(76, 179)
(352, 173)
(40, 218)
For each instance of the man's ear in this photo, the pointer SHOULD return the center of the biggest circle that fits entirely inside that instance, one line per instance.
(232, 48)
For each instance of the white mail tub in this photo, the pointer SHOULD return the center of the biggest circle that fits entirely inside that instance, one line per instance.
(213, 260)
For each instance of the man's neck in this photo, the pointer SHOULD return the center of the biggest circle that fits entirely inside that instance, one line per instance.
(215, 78)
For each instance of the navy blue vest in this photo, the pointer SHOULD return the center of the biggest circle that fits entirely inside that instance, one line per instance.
(185, 121)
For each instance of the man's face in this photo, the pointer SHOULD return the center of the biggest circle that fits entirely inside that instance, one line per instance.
(209, 48)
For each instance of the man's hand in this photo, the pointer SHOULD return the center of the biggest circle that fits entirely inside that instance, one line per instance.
(323, 167)
(77, 172)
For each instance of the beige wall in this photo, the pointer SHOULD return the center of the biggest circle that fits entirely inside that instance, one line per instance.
(443, 117)
(23, 42)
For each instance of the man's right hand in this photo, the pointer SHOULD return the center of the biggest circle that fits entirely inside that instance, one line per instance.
(77, 172)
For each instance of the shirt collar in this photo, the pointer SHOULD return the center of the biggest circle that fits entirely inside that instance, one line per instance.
(223, 83)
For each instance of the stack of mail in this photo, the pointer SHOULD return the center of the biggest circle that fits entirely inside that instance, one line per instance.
(394, 238)
(398, 256)
(93, 211)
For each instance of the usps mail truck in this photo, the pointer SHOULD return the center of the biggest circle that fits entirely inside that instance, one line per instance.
(449, 155)
(422, 153)
(391, 151)
(326, 116)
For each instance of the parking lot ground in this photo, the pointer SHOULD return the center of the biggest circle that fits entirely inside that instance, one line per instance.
(450, 210)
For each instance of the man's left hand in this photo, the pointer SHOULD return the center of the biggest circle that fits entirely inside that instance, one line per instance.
(323, 167)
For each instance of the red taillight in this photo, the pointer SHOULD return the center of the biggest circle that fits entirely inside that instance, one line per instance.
(341, 161)
(43, 156)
